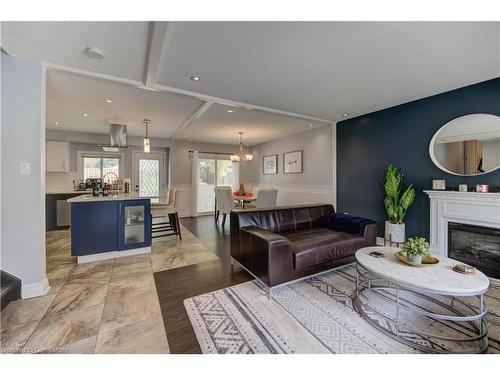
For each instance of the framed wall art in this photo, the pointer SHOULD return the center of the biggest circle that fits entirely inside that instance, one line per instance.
(270, 164)
(292, 162)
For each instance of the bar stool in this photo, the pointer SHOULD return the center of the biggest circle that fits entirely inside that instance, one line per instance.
(166, 210)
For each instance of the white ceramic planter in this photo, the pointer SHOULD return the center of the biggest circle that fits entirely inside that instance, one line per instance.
(395, 232)
(415, 259)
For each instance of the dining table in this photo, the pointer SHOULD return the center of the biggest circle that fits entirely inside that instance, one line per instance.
(242, 199)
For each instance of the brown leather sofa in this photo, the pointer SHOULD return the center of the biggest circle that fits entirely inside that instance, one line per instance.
(282, 244)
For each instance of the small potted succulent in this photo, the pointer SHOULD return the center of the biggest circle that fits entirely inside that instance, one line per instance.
(415, 249)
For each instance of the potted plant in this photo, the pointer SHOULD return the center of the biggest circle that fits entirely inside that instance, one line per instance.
(415, 249)
(398, 198)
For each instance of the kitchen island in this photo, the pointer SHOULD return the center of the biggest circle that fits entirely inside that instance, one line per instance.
(109, 227)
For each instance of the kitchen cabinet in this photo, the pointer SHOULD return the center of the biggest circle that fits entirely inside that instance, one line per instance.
(109, 226)
(57, 156)
(58, 211)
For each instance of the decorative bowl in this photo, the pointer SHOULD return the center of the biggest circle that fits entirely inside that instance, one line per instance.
(427, 260)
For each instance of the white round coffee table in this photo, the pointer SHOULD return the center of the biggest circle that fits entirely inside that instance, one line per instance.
(438, 288)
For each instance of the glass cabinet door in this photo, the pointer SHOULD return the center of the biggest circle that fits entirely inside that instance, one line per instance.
(135, 224)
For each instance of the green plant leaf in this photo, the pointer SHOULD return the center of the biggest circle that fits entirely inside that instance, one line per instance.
(397, 198)
(408, 197)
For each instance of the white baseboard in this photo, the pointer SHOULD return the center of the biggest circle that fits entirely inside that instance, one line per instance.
(35, 289)
(112, 255)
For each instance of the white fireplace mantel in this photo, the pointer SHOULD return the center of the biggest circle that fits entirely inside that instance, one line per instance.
(481, 209)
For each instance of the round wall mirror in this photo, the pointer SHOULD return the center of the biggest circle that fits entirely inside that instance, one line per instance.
(468, 145)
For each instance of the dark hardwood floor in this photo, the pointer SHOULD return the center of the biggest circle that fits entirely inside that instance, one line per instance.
(176, 285)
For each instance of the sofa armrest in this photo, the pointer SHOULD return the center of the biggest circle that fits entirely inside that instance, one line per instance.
(264, 235)
(370, 234)
(265, 254)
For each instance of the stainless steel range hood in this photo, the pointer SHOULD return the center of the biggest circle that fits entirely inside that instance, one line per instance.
(117, 138)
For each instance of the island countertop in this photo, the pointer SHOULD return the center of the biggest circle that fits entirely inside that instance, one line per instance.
(88, 198)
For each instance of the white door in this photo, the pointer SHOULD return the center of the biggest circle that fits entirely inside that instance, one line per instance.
(148, 173)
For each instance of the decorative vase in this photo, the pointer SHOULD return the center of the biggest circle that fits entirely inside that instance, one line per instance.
(242, 190)
(394, 232)
(415, 259)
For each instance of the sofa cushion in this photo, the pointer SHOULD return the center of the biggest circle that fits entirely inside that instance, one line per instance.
(319, 245)
(346, 223)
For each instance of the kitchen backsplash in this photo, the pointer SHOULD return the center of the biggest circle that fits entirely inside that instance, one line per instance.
(59, 182)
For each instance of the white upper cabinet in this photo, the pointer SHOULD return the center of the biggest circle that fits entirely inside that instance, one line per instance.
(57, 156)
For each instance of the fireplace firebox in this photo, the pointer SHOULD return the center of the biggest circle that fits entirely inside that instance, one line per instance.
(475, 245)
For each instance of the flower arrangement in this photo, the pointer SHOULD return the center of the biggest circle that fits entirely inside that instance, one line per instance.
(417, 246)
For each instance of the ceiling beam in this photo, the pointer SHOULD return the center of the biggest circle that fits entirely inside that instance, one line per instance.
(157, 40)
(234, 103)
(191, 119)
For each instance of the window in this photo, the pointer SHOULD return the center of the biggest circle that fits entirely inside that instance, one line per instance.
(149, 178)
(97, 166)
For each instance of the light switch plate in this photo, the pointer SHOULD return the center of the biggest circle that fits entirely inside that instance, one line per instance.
(24, 168)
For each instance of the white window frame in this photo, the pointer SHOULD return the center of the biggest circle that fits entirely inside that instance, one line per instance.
(96, 154)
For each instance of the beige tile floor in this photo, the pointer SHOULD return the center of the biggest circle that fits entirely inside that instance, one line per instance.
(100, 307)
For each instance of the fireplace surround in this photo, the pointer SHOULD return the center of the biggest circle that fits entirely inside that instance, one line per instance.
(479, 212)
(476, 245)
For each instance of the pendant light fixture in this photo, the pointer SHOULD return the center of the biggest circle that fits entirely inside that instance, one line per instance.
(147, 145)
(241, 156)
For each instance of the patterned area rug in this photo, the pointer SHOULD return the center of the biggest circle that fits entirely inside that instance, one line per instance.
(316, 315)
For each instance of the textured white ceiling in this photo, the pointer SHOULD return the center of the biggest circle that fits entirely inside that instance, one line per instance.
(124, 44)
(68, 96)
(325, 69)
(321, 69)
(258, 126)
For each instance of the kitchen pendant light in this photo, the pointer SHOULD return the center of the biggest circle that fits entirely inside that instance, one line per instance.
(147, 144)
(241, 156)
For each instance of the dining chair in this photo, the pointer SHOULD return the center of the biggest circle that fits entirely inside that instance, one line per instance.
(266, 198)
(225, 201)
(216, 209)
(166, 209)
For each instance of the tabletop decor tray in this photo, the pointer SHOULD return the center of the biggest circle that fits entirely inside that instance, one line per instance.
(427, 260)
(464, 269)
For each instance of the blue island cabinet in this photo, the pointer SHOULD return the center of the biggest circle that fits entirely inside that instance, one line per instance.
(105, 226)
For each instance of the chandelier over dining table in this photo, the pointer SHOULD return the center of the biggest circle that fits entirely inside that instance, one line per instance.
(241, 156)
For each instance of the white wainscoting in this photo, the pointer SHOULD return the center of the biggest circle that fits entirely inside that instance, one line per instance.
(288, 195)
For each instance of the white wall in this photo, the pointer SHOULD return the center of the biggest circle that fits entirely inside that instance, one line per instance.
(317, 182)
(23, 203)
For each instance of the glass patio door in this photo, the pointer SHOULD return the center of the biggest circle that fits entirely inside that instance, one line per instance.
(212, 172)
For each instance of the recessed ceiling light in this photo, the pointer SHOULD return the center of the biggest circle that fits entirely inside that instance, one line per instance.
(85, 114)
(195, 78)
(56, 123)
(230, 111)
(346, 114)
(310, 125)
(94, 52)
(108, 100)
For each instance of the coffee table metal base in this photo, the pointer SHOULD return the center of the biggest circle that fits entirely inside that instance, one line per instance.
(368, 284)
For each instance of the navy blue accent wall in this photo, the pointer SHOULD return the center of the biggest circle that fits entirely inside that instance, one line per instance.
(400, 135)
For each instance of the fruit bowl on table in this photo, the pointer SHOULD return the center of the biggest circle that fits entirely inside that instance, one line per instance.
(246, 195)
